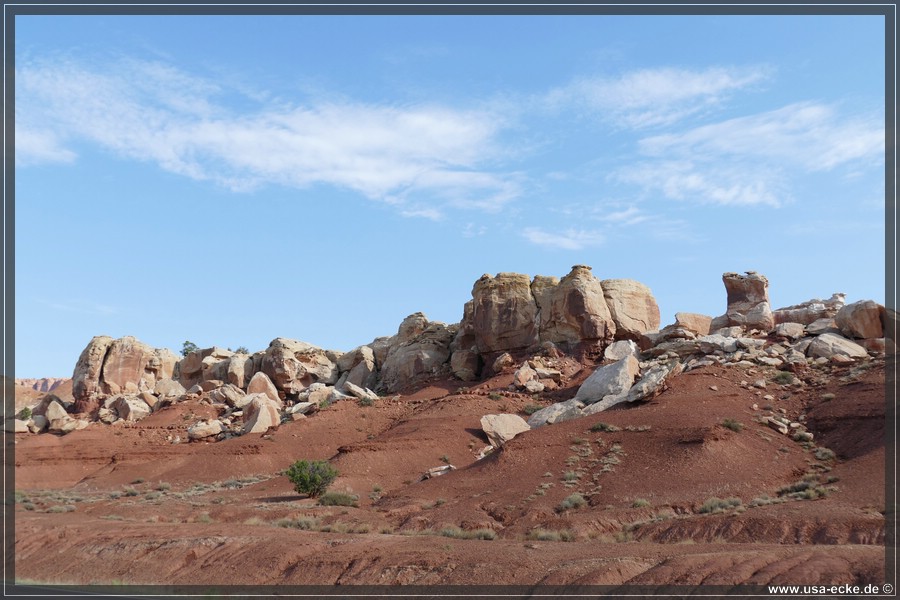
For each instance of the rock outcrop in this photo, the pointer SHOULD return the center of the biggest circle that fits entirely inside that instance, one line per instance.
(807, 312)
(294, 365)
(504, 313)
(420, 348)
(107, 367)
(861, 320)
(748, 303)
(633, 308)
(575, 310)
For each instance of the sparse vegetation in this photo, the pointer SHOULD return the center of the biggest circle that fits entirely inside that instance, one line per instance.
(25, 413)
(827, 397)
(551, 535)
(163, 486)
(305, 523)
(462, 534)
(823, 454)
(640, 503)
(366, 402)
(715, 505)
(131, 492)
(605, 427)
(783, 378)
(445, 459)
(494, 396)
(338, 499)
(530, 409)
(576, 500)
(311, 477)
(204, 518)
(732, 425)
(570, 476)
(187, 347)
(242, 350)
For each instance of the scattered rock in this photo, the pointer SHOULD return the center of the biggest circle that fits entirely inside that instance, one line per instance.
(863, 319)
(829, 345)
(619, 350)
(502, 428)
(206, 429)
(610, 380)
(693, 322)
(556, 413)
(261, 384)
(260, 414)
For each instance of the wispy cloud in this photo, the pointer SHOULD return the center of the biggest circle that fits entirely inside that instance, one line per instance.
(752, 160)
(807, 134)
(570, 239)
(655, 97)
(84, 307)
(472, 230)
(153, 112)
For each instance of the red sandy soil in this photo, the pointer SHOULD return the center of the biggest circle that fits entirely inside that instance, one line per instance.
(122, 503)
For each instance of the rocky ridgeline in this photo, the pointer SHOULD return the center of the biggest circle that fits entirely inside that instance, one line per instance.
(511, 317)
(44, 384)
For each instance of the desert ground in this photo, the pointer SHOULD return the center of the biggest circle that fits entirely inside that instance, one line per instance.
(122, 504)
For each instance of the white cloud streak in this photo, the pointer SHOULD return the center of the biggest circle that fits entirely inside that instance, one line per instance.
(152, 112)
(571, 239)
(655, 97)
(751, 160)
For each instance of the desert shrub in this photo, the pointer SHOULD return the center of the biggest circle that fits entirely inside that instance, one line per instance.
(162, 486)
(204, 518)
(478, 534)
(827, 397)
(445, 459)
(802, 436)
(714, 505)
(732, 425)
(338, 499)
(604, 427)
(783, 378)
(570, 476)
(530, 409)
(494, 396)
(366, 402)
(25, 413)
(824, 454)
(305, 523)
(640, 503)
(187, 347)
(576, 500)
(311, 477)
(242, 350)
(551, 535)
(132, 492)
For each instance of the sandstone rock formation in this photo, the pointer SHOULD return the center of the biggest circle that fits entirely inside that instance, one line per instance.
(294, 365)
(694, 322)
(420, 348)
(811, 310)
(610, 380)
(863, 320)
(502, 428)
(504, 313)
(575, 310)
(632, 306)
(748, 302)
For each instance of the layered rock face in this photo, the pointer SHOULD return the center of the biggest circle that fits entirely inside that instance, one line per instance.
(509, 312)
(811, 311)
(748, 302)
(107, 367)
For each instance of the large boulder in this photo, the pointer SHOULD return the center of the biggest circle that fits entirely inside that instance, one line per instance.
(359, 367)
(693, 322)
(168, 388)
(502, 428)
(294, 365)
(863, 320)
(260, 414)
(807, 312)
(133, 366)
(86, 377)
(632, 306)
(423, 354)
(556, 413)
(748, 302)
(829, 345)
(575, 310)
(131, 408)
(504, 313)
(610, 380)
(239, 370)
(261, 384)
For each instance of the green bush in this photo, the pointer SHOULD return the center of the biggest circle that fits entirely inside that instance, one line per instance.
(338, 499)
(605, 427)
(783, 378)
(311, 477)
(732, 425)
(576, 500)
(530, 409)
(187, 347)
(25, 413)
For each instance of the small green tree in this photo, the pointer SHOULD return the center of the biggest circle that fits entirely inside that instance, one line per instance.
(25, 413)
(188, 347)
(311, 477)
(242, 350)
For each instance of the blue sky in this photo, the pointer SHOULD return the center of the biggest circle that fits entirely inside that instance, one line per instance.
(229, 180)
